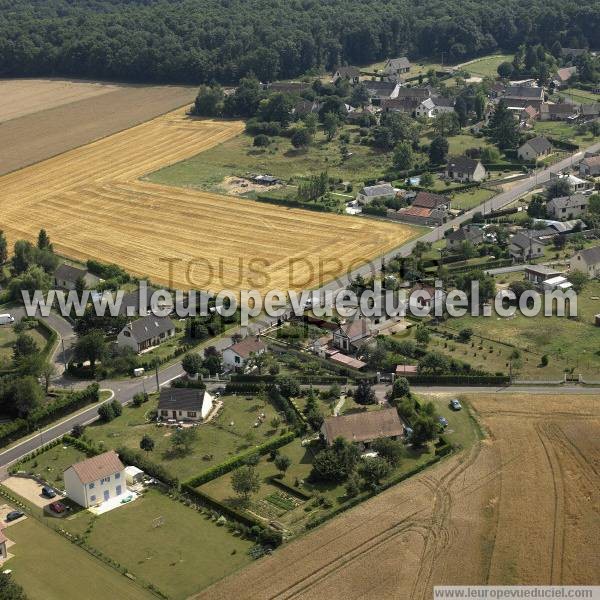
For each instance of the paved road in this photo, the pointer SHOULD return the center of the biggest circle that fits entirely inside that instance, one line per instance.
(124, 390)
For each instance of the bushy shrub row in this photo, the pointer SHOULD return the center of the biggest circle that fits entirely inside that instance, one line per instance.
(239, 460)
(63, 405)
(460, 379)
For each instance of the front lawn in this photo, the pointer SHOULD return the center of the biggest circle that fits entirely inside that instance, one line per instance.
(185, 554)
(563, 131)
(229, 434)
(49, 566)
(470, 198)
(51, 464)
(487, 66)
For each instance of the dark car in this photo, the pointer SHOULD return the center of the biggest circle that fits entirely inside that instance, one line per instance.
(57, 507)
(48, 492)
(13, 515)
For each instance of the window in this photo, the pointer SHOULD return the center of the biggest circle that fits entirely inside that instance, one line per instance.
(117, 475)
(191, 413)
(105, 480)
(91, 486)
(92, 498)
(164, 413)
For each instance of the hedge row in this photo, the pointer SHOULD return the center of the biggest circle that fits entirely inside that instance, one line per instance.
(361, 498)
(301, 379)
(294, 203)
(289, 489)
(238, 461)
(563, 144)
(137, 459)
(460, 379)
(213, 504)
(60, 407)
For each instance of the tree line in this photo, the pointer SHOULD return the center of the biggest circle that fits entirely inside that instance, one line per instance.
(194, 41)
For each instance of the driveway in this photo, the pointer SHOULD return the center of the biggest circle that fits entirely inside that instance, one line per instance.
(29, 489)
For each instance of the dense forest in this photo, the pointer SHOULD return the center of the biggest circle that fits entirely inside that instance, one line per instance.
(195, 41)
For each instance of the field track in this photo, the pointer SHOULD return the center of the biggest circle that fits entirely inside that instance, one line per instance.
(93, 205)
(520, 507)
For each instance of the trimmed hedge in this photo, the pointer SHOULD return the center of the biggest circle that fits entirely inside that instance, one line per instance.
(294, 203)
(563, 144)
(137, 459)
(43, 415)
(238, 461)
(289, 489)
(209, 502)
(460, 379)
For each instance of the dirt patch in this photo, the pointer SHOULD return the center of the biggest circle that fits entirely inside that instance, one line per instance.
(29, 489)
(521, 507)
(239, 185)
(78, 113)
(24, 96)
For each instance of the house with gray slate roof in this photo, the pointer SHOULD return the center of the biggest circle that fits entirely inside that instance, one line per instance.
(535, 148)
(587, 261)
(146, 332)
(380, 191)
(567, 207)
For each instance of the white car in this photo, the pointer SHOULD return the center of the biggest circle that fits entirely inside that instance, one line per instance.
(455, 404)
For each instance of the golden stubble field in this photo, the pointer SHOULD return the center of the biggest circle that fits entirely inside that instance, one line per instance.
(93, 205)
(520, 507)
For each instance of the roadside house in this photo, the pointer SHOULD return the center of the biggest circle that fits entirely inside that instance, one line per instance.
(468, 233)
(590, 166)
(381, 191)
(429, 200)
(236, 356)
(95, 479)
(534, 149)
(567, 207)
(463, 168)
(363, 427)
(66, 277)
(184, 404)
(587, 261)
(145, 333)
(525, 246)
(419, 215)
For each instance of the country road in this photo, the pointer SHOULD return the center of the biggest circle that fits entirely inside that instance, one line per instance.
(125, 389)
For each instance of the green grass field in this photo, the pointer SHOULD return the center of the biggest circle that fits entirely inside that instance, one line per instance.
(487, 66)
(563, 131)
(49, 566)
(218, 438)
(469, 198)
(181, 557)
(578, 95)
(8, 337)
(51, 464)
(237, 157)
(568, 343)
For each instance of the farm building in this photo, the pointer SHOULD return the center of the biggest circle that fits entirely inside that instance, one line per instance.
(363, 427)
(537, 274)
(95, 479)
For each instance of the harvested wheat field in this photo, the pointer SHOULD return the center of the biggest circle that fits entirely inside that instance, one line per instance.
(40, 118)
(93, 205)
(520, 507)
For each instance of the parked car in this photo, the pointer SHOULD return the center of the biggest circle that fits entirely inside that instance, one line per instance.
(48, 492)
(455, 404)
(6, 319)
(57, 507)
(13, 515)
(443, 421)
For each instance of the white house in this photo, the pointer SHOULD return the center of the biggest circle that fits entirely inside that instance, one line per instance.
(145, 333)
(381, 191)
(587, 261)
(96, 479)
(184, 404)
(567, 207)
(352, 74)
(236, 356)
(463, 168)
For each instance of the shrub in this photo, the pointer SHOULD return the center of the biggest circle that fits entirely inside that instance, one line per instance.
(261, 141)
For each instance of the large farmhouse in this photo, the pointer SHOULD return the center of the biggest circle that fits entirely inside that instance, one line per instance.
(363, 427)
